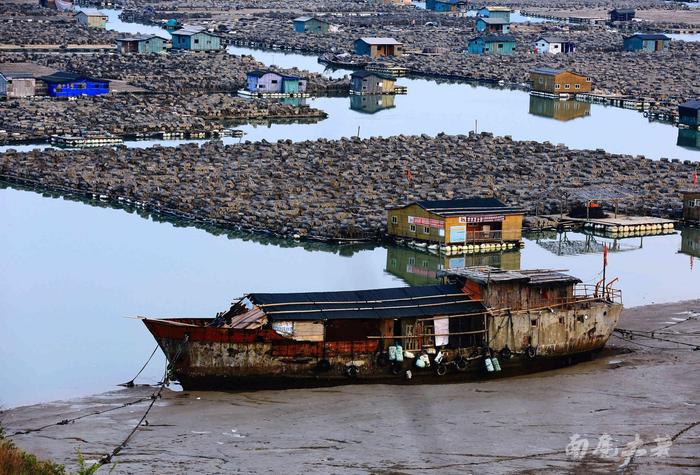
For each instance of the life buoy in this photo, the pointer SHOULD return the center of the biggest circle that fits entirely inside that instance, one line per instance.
(441, 369)
(531, 351)
(323, 365)
(352, 371)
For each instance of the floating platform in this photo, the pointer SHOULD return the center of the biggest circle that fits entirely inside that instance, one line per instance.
(457, 248)
(396, 71)
(396, 91)
(87, 141)
(272, 95)
(620, 226)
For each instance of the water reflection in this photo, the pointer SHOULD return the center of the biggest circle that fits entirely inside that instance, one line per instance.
(418, 267)
(688, 138)
(369, 104)
(571, 244)
(690, 242)
(559, 110)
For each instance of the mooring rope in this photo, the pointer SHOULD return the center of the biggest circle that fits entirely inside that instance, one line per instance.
(650, 335)
(154, 397)
(130, 384)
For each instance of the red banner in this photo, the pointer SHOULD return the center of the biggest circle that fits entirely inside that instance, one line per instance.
(434, 223)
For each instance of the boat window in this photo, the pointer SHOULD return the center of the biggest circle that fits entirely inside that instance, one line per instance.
(412, 228)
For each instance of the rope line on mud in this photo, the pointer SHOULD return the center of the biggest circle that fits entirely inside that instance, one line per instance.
(651, 336)
(130, 384)
(154, 397)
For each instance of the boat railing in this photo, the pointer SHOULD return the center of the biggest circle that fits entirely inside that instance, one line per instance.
(598, 291)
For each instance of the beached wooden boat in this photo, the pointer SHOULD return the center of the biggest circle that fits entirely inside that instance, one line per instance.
(482, 321)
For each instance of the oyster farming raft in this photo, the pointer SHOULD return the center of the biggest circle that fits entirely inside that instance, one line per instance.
(480, 320)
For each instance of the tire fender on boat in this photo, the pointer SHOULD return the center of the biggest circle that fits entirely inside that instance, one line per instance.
(461, 364)
(352, 371)
(531, 351)
(441, 369)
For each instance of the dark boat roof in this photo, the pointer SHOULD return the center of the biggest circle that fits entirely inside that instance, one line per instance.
(401, 302)
(488, 274)
(460, 206)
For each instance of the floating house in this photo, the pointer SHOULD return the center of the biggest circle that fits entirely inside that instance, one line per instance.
(494, 12)
(368, 82)
(307, 24)
(60, 5)
(141, 44)
(64, 84)
(493, 25)
(447, 6)
(553, 45)
(195, 38)
(621, 14)
(492, 44)
(372, 103)
(691, 206)
(377, 47)
(646, 42)
(555, 82)
(20, 79)
(91, 18)
(559, 110)
(689, 138)
(689, 113)
(264, 81)
(458, 221)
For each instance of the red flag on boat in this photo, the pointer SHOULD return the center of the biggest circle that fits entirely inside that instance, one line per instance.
(695, 178)
(605, 254)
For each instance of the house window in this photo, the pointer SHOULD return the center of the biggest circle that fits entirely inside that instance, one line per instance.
(411, 261)
(196, 41)
(274, 81)
(500, 45)
(567, 86)
(578, 86)
(588, 79)
(426, 229)
(557, 86)
(412, 228)
(394, 220)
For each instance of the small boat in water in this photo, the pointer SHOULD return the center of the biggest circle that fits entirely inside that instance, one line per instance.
(482, 321)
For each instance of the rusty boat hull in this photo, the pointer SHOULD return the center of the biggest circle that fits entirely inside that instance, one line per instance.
(206, 357)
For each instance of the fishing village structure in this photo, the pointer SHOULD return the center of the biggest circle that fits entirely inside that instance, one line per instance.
(689, 114)
(482, 320)
(492, 44)
(378, 47)
(621, 14)
(371, 82)
(91, 18)
(494, 12)
(493, 25)
(464, 221)
(22, 79)
(195, 38)
(307, 24)
(558, 82)
(647, 42)
(372, 103)
(266, 82)
(65, 84)
(450, 6)
(554, 45)
(691, 206)
(141, 44)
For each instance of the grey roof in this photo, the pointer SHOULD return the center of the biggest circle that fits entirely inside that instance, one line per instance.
(307, 18)
(694, 104)
(494, 21)
(553, 39)
(463, 206)
(91, 12)
(547, 71)
(66, 77)
(139, 38)
(488, 274)
(365, 74)
(379, 41)
(649, 36)
(496, 38)
(402, 302)
(258, 73)
(189, 30)
(622, 10)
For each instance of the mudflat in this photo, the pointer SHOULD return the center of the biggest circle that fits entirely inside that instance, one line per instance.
(634, 408)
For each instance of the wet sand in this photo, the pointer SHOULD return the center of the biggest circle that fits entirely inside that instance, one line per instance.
(508, 425)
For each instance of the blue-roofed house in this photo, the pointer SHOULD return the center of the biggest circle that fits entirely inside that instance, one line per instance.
(492, 44)
(307, 24)
(499, 26)
(264, 81)
(494, 12)
(647, 42)
(446, 5)
(195, 38)
(64, 84)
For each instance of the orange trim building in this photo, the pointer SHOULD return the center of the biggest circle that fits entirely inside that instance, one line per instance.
(559, 81)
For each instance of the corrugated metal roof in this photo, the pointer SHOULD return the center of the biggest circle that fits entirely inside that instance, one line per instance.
(402, 302)
(139, 38)
(189, 30)
(494, 21)
(547, 71)
(465, 206)
(553, 39)
(488, 274)
(380, 41)
(365, 74)
(91, 12)
(622, 10)
(64, 76)
(650, 36)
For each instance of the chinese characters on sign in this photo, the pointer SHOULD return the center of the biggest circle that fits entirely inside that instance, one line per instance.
(578, 446)
(481, 219)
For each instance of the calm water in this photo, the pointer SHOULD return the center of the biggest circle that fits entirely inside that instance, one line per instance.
(114, 23)
(73, 273)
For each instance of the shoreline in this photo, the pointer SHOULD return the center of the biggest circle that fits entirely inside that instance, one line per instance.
(216, 429)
